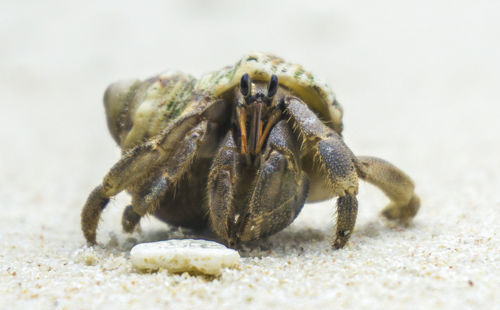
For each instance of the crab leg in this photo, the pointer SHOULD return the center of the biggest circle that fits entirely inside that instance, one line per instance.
(280, 188)
(148, 202)
(222, 189)
(344, 168)
(241, 209)
(394, 183)
(138, 161)
(175, 167)
(336, 162)
(133, 166)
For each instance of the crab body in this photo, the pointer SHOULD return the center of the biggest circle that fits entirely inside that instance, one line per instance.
(238, 151)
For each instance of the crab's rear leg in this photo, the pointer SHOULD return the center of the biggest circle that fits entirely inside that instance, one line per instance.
(132, 168)
(334, 161)
(394, 183)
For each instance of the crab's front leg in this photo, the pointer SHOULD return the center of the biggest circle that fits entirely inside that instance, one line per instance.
(124, 173)
(334, 161)
(247, 204)
(222, 188)
(280, 188)
(394, 183)
(132, 168)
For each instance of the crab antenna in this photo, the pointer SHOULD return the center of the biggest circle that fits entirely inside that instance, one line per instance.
(273, 86)
(245, 85)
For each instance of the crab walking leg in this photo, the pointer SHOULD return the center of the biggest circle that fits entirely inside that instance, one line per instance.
(221, 187)
(176, 166)
(122, 174)
(280, 188)
(140, 204)
(347, 210)
(394, 183)
(180, 161)
(335, 161)
(91, 213)
(145, 157)
(130, 169)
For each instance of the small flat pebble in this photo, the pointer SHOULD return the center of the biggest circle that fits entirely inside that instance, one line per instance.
(184, 255)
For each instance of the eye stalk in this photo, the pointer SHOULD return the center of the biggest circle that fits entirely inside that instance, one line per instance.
(273, 86)
(245, 85)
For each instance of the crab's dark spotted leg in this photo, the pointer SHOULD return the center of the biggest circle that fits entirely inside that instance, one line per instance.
(280, 187)
(140, 160)
(334, 160)
(395, 184)
(347, 210)
(221, 187)
(245, 204)
(133, 167)
(129, 169)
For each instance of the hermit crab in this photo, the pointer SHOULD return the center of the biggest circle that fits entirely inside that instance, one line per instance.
(237, 152)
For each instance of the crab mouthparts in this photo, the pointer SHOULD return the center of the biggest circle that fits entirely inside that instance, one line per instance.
(251, 121)
(255, 129)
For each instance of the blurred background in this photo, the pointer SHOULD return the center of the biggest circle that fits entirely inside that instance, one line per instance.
(418, 80)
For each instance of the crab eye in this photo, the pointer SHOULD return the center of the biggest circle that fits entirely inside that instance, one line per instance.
(273, 86)
(245, 85)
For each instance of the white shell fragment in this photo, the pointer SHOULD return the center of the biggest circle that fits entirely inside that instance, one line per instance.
(184, 255)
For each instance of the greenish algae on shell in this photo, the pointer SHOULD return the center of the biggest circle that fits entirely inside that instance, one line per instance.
(138, 110)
